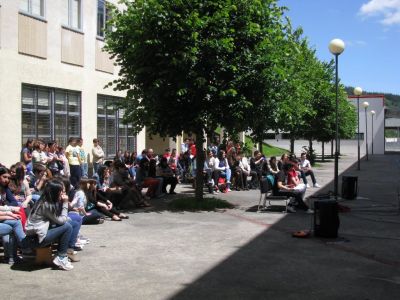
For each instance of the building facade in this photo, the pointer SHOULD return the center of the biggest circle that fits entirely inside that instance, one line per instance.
(53, 74)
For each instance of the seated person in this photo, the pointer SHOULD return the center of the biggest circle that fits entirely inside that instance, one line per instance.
(81, 205)
(256, 163)
(49, 222)
(222, 169)
(247, 171)
(164, 171)
(10, 230)
(281, 188)
(306, 170)
(273, 166)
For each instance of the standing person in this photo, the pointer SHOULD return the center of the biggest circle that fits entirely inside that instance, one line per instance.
(185, 146)
(48, 222)
(72, 152)
(306, 170)
(84, 160)
(55, 164)
(97, 154)
(26, 154)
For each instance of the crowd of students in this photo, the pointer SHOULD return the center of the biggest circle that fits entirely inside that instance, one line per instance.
(48, 195)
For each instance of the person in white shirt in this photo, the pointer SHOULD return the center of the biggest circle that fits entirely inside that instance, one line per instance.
(306, 170)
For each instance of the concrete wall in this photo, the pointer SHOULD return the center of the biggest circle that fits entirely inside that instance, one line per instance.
(17, 69)
(376, 103)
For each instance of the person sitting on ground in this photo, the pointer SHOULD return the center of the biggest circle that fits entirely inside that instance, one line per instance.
(306, 170)
(82, 206)
(102, 204)
(282, 188)
(48, 223)
(39, 154)
(164, 171)
(128, 188)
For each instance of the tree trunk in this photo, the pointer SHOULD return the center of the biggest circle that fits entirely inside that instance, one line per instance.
(260, 145)
(199, 166)
(311, 151)
(323, 151)
(291, 144)
(331, 148)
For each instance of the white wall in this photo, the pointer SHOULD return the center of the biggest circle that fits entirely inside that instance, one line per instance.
(16, 69)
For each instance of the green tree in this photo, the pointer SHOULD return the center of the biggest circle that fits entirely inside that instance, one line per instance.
(191, 65)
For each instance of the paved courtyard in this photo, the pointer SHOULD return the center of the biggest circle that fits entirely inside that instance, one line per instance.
(237, 253)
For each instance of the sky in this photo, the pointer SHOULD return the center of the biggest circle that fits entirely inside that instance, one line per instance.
(370, 30)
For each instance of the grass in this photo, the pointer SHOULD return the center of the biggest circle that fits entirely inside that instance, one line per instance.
(267, 149)
(192, 204)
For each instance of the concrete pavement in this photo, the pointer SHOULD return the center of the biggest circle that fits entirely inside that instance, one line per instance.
(237, 254)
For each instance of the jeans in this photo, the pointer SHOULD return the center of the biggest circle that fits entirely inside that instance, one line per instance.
(76, 226)
(61, 233)
(76, 174)
(5, 232)
(95, 167)
(304, 174)
(16, 226)
(84, 170)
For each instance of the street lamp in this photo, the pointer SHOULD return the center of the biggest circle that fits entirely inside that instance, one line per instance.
(336, 47)
(372, 120)
(358, 91)
(365, 105)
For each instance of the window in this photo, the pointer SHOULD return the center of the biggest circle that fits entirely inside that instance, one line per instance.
(50, 114)
(102, 17)
(33, 7)
(111, 132)
(72, 13)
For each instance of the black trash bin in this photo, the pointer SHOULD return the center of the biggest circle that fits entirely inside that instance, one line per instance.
(326, 218)
(349, 187)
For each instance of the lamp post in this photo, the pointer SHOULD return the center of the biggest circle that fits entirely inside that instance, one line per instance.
(358, 91)
(372, 121)
(336, 47)
(365, 105)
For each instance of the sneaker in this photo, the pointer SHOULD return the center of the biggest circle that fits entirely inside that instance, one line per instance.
(291, 209)
(317, 185)
(309, 211)
(307, 185)
(228, 190)
(63, 263)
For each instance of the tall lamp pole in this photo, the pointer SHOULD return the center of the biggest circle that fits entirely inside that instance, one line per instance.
(365, 105)
(372, 120)
(358, 91)
(336, 47)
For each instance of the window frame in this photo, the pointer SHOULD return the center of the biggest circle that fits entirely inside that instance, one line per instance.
(30, 13)
(101, 36)
(52, 110)
(70, 17)
(117, 118)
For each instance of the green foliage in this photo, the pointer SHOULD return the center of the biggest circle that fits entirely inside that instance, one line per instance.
(192, 204)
